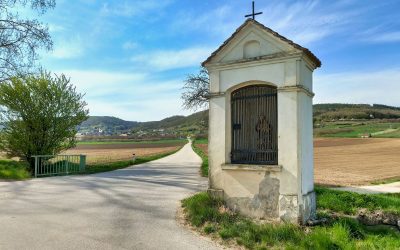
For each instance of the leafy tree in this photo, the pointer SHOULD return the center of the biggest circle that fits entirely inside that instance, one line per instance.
(39, 115)
(196, 90)
(21, 38)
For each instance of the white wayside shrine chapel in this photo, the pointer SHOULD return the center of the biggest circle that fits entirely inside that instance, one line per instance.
(260, 127)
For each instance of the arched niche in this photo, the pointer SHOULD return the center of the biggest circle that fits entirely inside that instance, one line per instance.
(251, 49)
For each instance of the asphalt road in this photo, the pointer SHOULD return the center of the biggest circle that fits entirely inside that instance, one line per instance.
(132, 208)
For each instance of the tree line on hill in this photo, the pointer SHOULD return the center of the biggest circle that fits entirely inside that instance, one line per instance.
(198, 122)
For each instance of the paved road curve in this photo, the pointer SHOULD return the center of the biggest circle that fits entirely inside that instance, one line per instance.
(132, 208)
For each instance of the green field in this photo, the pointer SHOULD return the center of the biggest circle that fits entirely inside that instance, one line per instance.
(352, 129)
(104, 142)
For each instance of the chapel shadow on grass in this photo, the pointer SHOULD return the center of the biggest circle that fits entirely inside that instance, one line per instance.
(211, 216)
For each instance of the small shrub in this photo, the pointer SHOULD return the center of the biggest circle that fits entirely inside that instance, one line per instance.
(13, 170)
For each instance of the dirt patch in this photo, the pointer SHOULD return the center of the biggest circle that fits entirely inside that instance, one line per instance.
(203, 147)
(105, 155)
(127, 145)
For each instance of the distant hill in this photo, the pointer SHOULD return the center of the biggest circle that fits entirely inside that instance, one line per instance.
(198, 122)
(336, 111)
(108, 125)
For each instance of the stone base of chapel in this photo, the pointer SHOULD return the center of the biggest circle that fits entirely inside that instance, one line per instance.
(269, 205)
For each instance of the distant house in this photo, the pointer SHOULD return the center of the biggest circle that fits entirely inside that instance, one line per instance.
(366, 135)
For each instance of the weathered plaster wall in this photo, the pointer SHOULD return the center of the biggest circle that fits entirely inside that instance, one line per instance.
(284, 192)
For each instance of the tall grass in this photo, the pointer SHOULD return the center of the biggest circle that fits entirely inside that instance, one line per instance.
(13, 170)
(209, 215)
(350, 203)
(203, 156)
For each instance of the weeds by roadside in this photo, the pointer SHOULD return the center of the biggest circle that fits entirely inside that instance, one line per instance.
(13, 170)
(211, 217)
(203, 156)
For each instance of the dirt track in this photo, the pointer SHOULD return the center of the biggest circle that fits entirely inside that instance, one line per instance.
(347, 161)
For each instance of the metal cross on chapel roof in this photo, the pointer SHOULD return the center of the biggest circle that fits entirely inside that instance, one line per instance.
(253, 15)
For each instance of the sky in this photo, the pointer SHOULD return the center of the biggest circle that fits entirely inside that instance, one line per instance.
(131, 57)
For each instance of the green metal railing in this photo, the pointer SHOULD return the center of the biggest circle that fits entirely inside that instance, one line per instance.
(49, 165)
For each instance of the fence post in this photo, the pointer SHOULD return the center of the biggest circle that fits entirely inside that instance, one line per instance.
(66, 164)
(36, 165)
(82, 163)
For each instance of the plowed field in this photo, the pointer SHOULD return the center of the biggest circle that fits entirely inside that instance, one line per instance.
(353, 161)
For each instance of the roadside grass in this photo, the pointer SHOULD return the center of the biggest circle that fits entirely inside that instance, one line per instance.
(350, 203)
(386, 181)
(101, 142)
(203, 156)
(13, 170)
(211, 217)
(98, 168)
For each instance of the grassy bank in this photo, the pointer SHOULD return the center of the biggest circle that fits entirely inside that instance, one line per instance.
(13, 170)
(349, 202)
(211, 217)
(98, 168)
(204, 158)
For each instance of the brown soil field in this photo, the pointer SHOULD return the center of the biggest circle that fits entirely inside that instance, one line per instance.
(353, 161)
(99, 155)
(203, 147)
(128, 145)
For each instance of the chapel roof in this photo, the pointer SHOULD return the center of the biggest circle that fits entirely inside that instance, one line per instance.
(306, 51)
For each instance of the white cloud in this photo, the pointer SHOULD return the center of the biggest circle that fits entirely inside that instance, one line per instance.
(132, 8)
(382, 87)
(67, 49)
(55, 27)
(376, 35)
(130, 96)
(173, 59)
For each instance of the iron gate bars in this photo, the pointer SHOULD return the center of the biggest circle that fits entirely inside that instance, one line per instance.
(254, 125)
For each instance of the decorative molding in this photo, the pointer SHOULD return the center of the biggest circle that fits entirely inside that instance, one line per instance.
(279, 57)
(216, 94)
(298, 88)
(251, 167)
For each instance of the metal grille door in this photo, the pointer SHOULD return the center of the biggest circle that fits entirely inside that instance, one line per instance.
(254, 125)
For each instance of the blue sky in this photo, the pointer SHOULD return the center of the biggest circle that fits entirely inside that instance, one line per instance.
(131, 57)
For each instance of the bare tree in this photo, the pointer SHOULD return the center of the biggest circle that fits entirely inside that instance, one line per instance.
(21, 38)
(196, 90)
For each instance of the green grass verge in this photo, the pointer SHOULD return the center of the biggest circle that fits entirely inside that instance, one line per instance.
(132, 142)
(386, 181)
(98, 168)
(204, 158)
(13, 170)
(205, 212)
(350, 203)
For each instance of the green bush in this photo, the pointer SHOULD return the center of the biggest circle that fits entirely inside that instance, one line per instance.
(13, 170)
